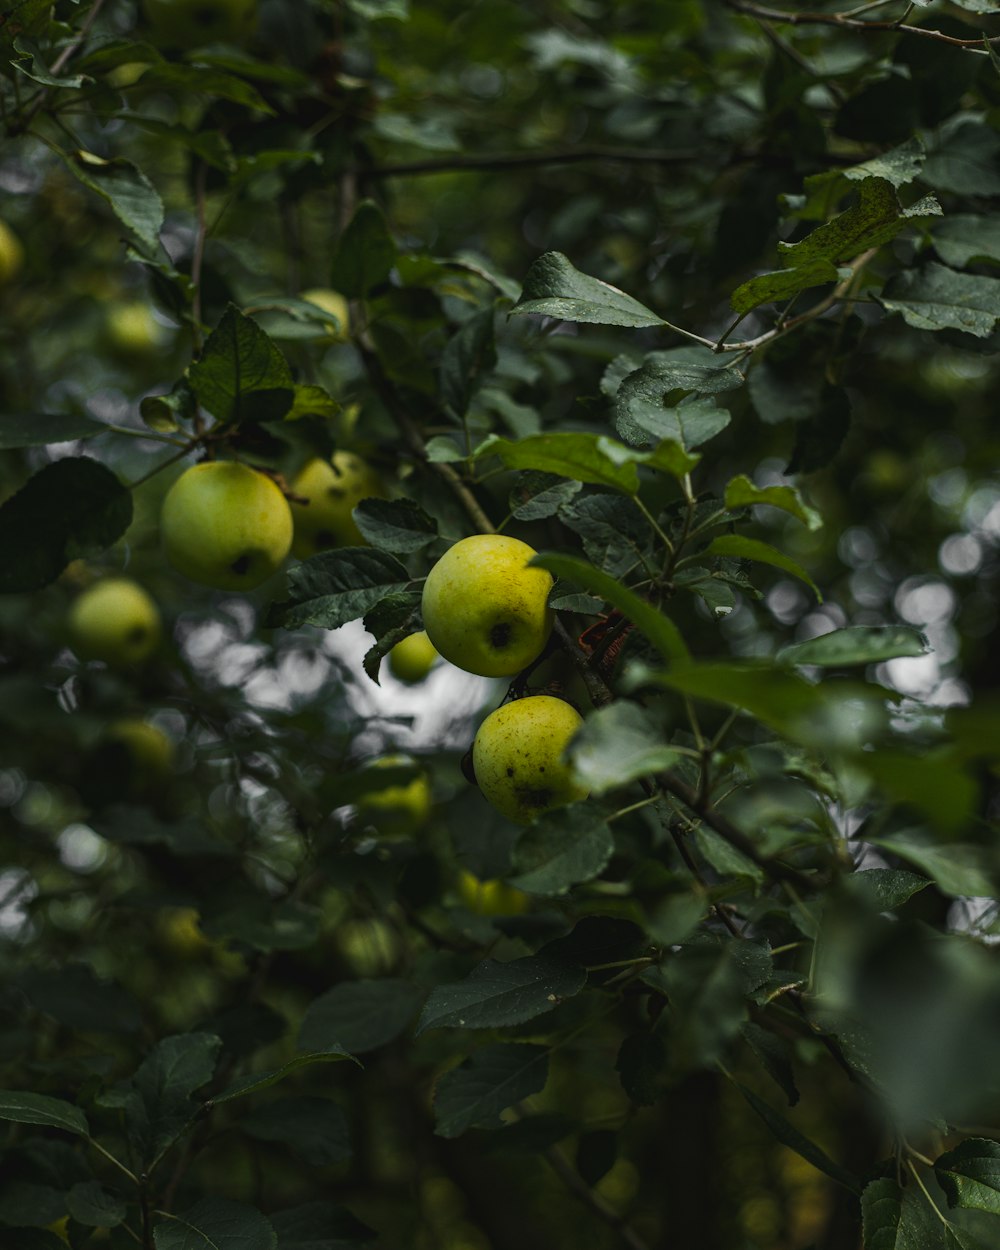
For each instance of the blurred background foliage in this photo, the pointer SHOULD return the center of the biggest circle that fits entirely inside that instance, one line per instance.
(227, 882)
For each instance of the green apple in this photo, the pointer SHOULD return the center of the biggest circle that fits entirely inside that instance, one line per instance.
(11, 253)
(114, 620)
(484, 609)
(333, 488)
(413, 658)
(518, 757)
(225, 525)
(132, 329)
(128, 74)
(370, 946)
(400, 809)
(331, 302)
(194, 23)
(150, 752)
(490, 898)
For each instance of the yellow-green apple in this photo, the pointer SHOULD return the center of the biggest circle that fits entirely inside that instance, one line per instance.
(132, 329)
(333, 488)
(399, 809)
(490, 898)
(518, 757)
(334, 303)
(412, 659)
(150, 752)
(11, 253)
(225, 525)
(484, 609)
(370, 946)
(194, 23)
(114, 620)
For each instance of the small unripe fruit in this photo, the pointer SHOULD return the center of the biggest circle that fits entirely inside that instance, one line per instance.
(400, 809)
(518, 757)
(225, 525)
(334, 303)
(11, 253)
(484, 609)
(413, 658)
(114, 620)
(490, 898)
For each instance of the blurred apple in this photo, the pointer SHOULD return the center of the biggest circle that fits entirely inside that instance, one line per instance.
(413, 658)
(371, 947)
(331, 302)
(333, 488)
(492, 897)
(114, 620)
(401, 809)
(132, 329)
(11, 253)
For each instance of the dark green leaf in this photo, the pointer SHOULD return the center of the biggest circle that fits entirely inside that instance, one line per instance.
(936, 298)
(359, 1015)
(554, 288)
(967, 162)
(216, 1224)
(315, 1128)
(641, 1061)
(158, 1101)
(753, 549)
(264, 1080)
(581, 457)
(563, 848)
(775, 1053)
(659, 629)
(960, 869)
(165, 412)
(241, 375)
(35, 429)
(790, 1136)
(391, 620)
(885, 888)
(132, 197)
(335, 587)
(24, 1108)
(74, 996)
(397, 525)
(498, 994)
(468, 357)
(365, 253)
(320, 1225)
(487, 1083)
(617, 744)
(70, 508)
(857, 644)
(962, 239)
(537, 495)
(970, 1175)
(90, 1204)
(741, 492)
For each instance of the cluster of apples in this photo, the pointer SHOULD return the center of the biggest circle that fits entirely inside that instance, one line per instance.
(486, 609)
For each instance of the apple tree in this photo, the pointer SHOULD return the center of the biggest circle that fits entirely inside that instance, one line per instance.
(684, 315)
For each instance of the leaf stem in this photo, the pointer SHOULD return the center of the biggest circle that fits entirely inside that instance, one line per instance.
(112, 1159)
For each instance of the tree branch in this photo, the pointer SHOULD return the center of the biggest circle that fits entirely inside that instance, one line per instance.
(577, 1185)
(526, 160)
(844, 22)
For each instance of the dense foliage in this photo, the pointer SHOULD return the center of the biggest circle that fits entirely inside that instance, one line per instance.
(700, 300)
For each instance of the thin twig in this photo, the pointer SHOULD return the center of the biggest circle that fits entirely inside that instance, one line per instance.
(198, 254)
(844, 22)
(526, 160)
(60, 63)
(577, 1185)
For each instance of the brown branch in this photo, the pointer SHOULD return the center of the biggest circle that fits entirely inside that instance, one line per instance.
(527, 160)
(843, 22)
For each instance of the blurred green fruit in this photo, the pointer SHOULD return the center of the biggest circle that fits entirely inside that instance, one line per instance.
(194, 23)
(334, 488)
(150, 752)
(127, 75)
(11, 253)
(401, 809)
(132, 329)
(371, 947)
(484, 609)
(518, 757)
(413, 658)
(225, 525)
(331, 302)
(490, 898)
(114, 620)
